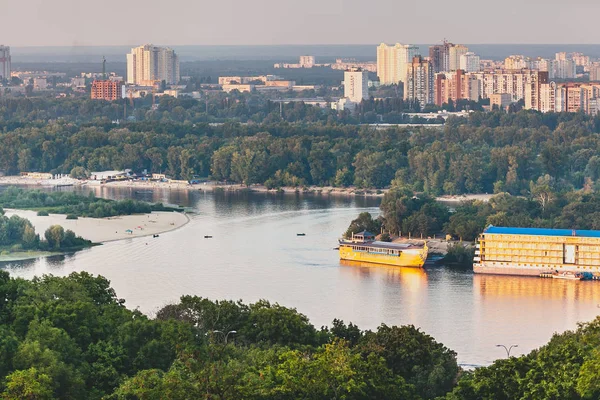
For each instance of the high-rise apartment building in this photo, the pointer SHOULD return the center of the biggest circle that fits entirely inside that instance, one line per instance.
(392, 62)
(563, 69)
(517, 62)
(469, 62)
(419, 85)
(4, 62)
(594, 72)
(446, 56)
(148, 64)
(454, 54)
(356, 85)
(307, 61)
(107, 90)
(455, 86)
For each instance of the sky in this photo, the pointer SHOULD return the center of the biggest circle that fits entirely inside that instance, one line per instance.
(269, 22)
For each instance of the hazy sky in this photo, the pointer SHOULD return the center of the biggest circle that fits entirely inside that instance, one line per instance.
(239, 22)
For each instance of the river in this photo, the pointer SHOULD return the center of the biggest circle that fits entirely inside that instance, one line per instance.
(255, 254)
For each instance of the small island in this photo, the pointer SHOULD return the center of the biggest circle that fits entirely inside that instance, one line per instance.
(72, 222)
(19, 240)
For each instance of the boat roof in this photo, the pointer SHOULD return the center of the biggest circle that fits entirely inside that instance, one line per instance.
(541, 232)
(364, 233)
(384, 245)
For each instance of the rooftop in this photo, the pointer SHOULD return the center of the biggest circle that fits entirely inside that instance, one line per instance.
(541, 232)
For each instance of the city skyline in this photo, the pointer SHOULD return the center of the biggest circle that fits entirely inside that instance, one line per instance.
(232, 23)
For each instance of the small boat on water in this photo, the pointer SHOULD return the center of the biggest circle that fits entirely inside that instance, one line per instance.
(155, 236)
(300, 234)
(207, 237)
(572, 276)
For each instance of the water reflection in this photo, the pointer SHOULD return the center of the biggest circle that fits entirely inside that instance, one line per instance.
(412, 279)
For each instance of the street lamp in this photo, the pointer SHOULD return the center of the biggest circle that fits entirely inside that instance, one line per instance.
(225, 334)
(507, 349)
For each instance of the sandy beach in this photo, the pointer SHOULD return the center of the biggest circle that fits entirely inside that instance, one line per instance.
(102, 230)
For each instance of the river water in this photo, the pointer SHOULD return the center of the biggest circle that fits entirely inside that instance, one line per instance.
(255, 254)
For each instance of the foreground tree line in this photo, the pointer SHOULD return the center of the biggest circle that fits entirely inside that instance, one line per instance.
(74, 204)
(18, 234)
(484, 153)
(72, 338)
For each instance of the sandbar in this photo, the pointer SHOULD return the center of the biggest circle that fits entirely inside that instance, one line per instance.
(102, 230)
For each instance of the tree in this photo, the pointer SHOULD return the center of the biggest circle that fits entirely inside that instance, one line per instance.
(28, 384)
(79, 173)
(364, 222)
(54, 236)
(543, 190)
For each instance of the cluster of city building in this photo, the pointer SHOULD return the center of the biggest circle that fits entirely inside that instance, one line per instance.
(452, 73)
(340, 64)
(448, 73)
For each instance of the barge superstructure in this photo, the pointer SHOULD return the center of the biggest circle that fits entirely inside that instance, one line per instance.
(363, 247)
(535, 251)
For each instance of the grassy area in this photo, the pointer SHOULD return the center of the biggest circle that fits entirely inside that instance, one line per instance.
(74, 204)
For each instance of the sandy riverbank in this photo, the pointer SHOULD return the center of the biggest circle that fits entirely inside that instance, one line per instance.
(214, 186)
(101, 230)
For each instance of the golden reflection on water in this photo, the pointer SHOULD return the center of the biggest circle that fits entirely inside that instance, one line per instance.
(412, 278)
(532, 287)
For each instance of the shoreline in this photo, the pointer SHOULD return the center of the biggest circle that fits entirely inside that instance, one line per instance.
(233, 188)
(110, 229)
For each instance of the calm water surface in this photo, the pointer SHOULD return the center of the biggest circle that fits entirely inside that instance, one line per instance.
(255, 254)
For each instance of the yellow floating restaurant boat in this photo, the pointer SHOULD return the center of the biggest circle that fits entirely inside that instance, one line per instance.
(364, 248)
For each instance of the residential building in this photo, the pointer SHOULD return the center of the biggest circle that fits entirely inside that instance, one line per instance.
(501, 100)
(469, 62)
(439, 56)
(517, 62)
(454, 54)
(307, 61)
(547, 97)
(455, 86)
(392, 62)
(594, 72)
(5, 62)
(148, 64)
(419, 85)
(563, 69)
(40, 83)
(107, 90)
(344, 64)
(356, 85)
(513, 82)
(580, 59)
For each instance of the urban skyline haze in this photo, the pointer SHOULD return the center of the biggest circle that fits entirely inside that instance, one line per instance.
(270, 22)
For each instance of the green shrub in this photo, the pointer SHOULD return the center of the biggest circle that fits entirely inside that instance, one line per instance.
(385, 237)
(460, 255)
(72, 216)
(42, 213)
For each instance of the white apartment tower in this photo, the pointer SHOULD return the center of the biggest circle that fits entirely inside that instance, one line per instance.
(469, 62)
(4, 62)
(393, 61)
(148, 64)
(356, 85)
(307, 61)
